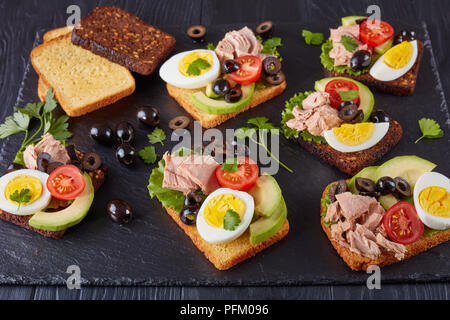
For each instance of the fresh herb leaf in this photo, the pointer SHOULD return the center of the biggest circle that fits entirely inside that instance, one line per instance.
(328, 62)
(262, 123)
(349, 43)
(211, 46)
(270, 46)
(9, 128)
(245, 132)
(230, 166)
(195, 67)
(313, 38)
(21, 197)
(311, 138)
(348, 95)
(231, 220)
(50, 102)
(148, 154)
(157, 136)
(59, 129)
(325, 201)
(183, 152)
(286, 115)
(430, 129)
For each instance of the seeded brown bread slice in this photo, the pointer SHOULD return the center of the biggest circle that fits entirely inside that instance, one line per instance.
(183, 97)
(403, 86)
(225, 256)
(353, 162)
(357, 262)
(124, 39)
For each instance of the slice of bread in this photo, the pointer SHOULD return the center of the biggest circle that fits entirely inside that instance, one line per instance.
(183, 97)
(225, 256)
(357, 262)
(83, 82)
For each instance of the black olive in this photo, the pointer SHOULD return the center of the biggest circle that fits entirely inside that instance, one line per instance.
(234, 95)
(125, 153)
(102, 133)
(341, 187)
(272, 65)
(230, 66)
(91, 161)
(52, 166)
(398, 39)
(402, 188)
(43, 160)
(14, 167)
(365, 185)
(196, 33)
(404, 33)
(385, 185)
(119, 211)
(359, 21)
(347, 103)
(148, 116)
(412, 36)
(189, 216)
(221, 86)
(359, 117)
(193, 200)
(179, 123)
(374, 194)
(265, 28)
(361, 60)
(348, 112)
(72, 152)
(276, 79)
(332, 193)
(379, 116)
(124, 132)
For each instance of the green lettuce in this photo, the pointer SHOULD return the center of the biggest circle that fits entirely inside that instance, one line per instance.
(328, 62)
(325, 202)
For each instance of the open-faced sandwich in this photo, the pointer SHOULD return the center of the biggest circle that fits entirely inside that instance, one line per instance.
(229, 211)
(368, 51)
(387, 214)
(338, 123)
(215, 86)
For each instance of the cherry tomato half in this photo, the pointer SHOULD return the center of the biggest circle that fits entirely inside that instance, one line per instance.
(66, 182)
(243, 179)
(402, 224)
(250, 68)
(339, 85)
(375, 32)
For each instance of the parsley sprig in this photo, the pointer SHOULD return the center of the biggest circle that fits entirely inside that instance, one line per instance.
(21, 197)
(230, 165)
(148, 154)
(349, 43)
(430, 129)
(231, 220)
(314, 38)
(196, 66)
(270, 46)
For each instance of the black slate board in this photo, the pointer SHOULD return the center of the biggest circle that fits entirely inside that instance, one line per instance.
(152, 250)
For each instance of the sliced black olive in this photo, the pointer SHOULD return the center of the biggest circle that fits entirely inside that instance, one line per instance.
(361, 60)
(125, 132)
(43, 160)
(341, 187)
(179, 123)
(332, 193)
(14, 167)
(189, 216)
(404, 33)
(359, 21)
(380, 116)
(398, 39)
(365, 185)
(52, 166)
(276, 79)
(265, 28)
(230, 66)
(197, 32)
(337, 188)
(221, 86)
(412, 36)
(102, 133)
(91, 161)
(125, 153)
(148, 116)
(272, 65)
(385, 185)
(72, 152)
(348, 112)
(119, 211)
(234, 95)
(359, 117)
(374, 194)
(402, 188)
(193, 200)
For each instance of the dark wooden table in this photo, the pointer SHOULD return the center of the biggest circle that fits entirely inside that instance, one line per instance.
(19, 20)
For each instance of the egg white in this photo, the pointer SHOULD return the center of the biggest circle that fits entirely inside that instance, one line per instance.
(381, 71)
(379, 131)
(218, 235)
(25, 210)
(171, 74)
(431, 179)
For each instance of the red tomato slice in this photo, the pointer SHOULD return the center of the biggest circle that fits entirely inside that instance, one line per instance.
(249, 71)
(335, 86)
(402, 223)
(66, 182)
(375, 32)
(243, 179)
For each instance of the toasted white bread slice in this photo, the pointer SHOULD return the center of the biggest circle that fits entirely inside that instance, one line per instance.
(225, 256)
(183, 97)
(82, 81)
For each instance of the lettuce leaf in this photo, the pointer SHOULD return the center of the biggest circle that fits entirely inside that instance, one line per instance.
(325, 202)
(169, 198)
(328, 62)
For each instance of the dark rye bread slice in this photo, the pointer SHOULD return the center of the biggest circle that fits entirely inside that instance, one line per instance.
(353, 162)
(357, 262)
(98, 178)
(403, 86)
(122, 38)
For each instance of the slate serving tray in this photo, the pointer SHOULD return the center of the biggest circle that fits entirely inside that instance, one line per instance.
(152, 250)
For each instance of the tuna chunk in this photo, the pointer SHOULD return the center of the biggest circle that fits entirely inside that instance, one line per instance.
(351, 31)
(174, 178)
(315, 100)
(398, 249)
(337, 230)
(202, 171)
(239, 43)
(316, 121)
(49, 145)
(353, 206)
(362, 245)
(333, 213)
(339, 53)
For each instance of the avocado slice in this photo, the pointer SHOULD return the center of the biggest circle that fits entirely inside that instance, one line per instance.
(267, 195)
(351, 20)
(367, 101)
(368, 173)
(210, 93)
(385, 46)
(68, 217)
(265, 228)
(212, 106)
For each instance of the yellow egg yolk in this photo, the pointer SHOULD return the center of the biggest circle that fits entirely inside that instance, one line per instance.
(191, 58)
(436, 201)
(354, 134)
(398, 56)
(20, 183)
(218, 206)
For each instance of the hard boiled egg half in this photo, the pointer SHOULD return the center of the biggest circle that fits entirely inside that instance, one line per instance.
(432, 200)
(356, 137)
(210, 219)
(395, 62)
(31, 185)
(191, 69)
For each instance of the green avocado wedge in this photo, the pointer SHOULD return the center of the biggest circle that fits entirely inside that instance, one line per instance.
(265, 228)
(367, 100)
(68, 217)
(213, 106)
(368, 173)
(267, 195)
(351, 20)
